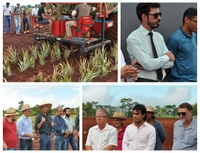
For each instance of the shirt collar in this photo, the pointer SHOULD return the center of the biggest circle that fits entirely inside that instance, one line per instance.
(191, 126)
(189, 36)
(105, 128)
(144, 31)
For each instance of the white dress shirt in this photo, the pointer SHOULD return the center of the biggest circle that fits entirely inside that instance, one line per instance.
(98, 139)
(142, 138)
(139, 48)
(35, 11)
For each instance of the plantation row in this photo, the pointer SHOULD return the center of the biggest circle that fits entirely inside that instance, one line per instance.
(99, 64)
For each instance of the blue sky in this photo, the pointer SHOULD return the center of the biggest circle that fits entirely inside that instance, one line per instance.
(67, 95)
(146, 94)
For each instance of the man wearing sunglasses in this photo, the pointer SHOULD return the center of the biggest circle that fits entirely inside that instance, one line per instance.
(185, 129)
(147, 47)
(183, 43)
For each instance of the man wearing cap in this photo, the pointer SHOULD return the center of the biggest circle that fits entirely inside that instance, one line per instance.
(60, 130)
(160, 132)
(118, 119)
(185, 129)
(10, 130)
(101, 136)
(44, 124)
(25, 129)
(139, 135)
(71, 129)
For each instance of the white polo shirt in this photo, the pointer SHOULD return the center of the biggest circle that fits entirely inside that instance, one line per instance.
(98, 139)
(6, 11)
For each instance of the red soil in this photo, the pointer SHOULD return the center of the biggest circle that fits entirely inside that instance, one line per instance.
(25, 41)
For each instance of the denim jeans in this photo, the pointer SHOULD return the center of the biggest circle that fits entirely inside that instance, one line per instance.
(26, 21)
(25, 144)
(10, 149)
(7, 18)
(60, 143)
(70, 139)
(17, 23)
(45, 142)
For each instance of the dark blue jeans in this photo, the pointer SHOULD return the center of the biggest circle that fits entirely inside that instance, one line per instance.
(7, 18)
(25, 144)
(70, 139)
(45, 142)
(60, 143)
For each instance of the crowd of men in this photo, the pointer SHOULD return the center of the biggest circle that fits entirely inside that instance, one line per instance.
(20, 134)
(145, 133)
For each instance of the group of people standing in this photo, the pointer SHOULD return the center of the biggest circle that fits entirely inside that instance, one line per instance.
(151, 58)
(17, 12)
(145, 133)
(22, 132)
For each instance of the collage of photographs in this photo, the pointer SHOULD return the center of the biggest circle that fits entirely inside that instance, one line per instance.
(112, 75)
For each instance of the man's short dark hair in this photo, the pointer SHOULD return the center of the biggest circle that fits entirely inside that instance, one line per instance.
(185, 105)
(7, 3)
(140, 108)
(190, 13)
(144, 8)
(64, 110)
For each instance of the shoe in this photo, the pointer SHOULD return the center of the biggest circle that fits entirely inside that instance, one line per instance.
(27, 31)
(4, 32)
(24, 31)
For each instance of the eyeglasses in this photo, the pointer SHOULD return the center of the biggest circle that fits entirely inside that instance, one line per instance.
(155, 15)
(181, 113)
(100, 116)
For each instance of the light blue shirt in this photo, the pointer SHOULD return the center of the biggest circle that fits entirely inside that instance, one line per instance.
(185, 138)
(70, 123)
(140, 49)
(24, 126)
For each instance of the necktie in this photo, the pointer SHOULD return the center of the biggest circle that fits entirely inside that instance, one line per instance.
(158, 71)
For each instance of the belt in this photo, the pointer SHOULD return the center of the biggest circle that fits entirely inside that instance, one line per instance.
(25, 139)
(46, 133)
(148, 80)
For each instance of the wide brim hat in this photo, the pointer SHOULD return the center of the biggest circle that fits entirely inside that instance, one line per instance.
(25, 107)
(49, 105)
(150, 109)
(10, 112)
(118, 115)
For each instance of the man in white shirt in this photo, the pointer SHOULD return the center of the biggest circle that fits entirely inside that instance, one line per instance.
(147, 47)
(139, 135)
(34, 11)
(101, 136)
(7, 17)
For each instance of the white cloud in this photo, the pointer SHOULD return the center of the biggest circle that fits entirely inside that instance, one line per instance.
(173, 96)
(97, 93)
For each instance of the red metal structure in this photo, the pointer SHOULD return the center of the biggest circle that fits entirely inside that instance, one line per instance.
(88, 34)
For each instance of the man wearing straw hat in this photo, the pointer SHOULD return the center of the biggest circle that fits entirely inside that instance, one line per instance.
(10, 130)
(101, 136)
(44, 124)
(25, 129)
(118, 119)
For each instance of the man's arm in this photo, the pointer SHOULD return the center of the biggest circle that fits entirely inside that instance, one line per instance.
(112, 140)
(88, 144)
(151, 139)
(136, 50)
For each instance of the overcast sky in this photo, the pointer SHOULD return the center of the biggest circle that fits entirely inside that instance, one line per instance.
(146, 94)
(67, 95)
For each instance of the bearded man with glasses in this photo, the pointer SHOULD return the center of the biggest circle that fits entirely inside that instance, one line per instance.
(147, 48)
(185, 129)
